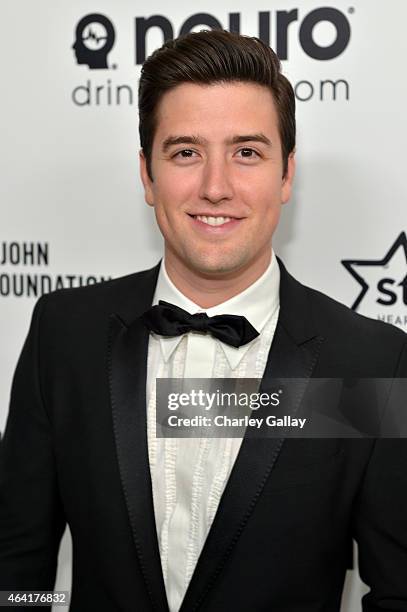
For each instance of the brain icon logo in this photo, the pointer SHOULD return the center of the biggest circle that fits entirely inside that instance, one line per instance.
(94, 39)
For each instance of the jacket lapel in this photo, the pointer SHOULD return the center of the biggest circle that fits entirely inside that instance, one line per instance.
(293, 354)
(128, 345)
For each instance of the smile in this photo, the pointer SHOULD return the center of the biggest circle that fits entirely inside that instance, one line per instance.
(219, 225)
(213, 220)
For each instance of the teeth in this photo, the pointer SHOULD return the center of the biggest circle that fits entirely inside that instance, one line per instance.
(213, 220)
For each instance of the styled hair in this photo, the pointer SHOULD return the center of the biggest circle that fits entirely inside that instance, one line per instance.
(208, 57)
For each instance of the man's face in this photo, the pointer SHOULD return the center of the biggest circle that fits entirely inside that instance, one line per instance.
(217, 168)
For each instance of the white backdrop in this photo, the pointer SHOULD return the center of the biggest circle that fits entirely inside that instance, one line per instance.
(72, 208)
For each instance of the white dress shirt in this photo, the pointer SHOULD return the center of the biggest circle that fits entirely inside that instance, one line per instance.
(189, 474)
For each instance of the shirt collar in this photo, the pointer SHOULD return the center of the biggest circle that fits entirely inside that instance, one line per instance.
(257, 303)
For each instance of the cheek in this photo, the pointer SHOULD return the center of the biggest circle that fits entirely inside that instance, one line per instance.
(260, 186)
(264, 202)
(174, 190)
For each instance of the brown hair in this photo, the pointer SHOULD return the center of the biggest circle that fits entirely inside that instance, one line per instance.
(208, 57)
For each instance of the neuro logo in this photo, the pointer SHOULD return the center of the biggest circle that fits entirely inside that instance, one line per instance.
(94, 39)
(382, 281)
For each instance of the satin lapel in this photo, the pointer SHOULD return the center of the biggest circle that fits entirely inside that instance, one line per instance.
(289, 357)
(127, 379)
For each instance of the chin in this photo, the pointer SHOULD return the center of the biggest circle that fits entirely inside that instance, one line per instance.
(218, 266)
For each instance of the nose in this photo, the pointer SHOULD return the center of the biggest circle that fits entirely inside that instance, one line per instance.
(216, 183)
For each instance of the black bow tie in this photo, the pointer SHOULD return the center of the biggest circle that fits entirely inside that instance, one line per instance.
(169, 320)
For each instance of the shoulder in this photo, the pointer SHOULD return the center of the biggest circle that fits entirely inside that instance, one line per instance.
(85, 311)
(335, 317)
(360, 340)
(104, 297)
(352, 344)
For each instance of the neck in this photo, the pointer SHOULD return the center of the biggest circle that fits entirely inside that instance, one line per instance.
(207, 289)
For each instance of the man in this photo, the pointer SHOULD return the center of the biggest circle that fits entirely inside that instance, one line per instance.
(200, 524)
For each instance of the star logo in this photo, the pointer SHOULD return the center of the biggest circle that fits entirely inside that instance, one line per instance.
(383, 280)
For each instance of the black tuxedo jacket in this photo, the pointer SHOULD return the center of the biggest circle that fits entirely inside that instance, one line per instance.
(75, 451)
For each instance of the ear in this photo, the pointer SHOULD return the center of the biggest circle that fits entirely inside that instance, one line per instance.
(147, 182)
(288, 179)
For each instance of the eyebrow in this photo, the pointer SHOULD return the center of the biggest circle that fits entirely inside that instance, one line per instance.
(198, 140)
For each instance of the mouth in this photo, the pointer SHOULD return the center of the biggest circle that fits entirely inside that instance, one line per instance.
(214, 220)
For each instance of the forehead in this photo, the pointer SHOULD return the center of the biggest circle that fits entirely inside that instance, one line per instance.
(217, 109)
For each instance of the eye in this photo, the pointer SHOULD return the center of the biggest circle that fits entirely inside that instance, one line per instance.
(184, 154)
(248, 153)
